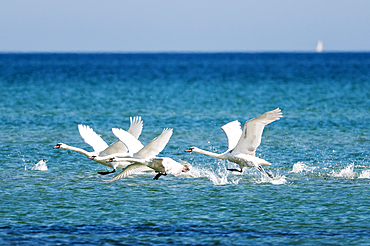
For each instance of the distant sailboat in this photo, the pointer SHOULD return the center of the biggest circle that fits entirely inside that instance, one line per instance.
(319, 46)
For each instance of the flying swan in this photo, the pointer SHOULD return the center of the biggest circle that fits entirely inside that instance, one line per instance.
(243, 143)
(161, 165)
(146, 158)
(101, 148)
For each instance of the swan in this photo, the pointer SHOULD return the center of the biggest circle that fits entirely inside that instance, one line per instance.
(101, 148)
(161, 165)
(149, 151)
(135, 146)
(144, 157)
(242, 144)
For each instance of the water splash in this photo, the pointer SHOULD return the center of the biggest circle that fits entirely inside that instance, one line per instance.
(365, 174)
(277, 180)
(218, 176)
(346, 173)
(222, 176)
(299, 167)
(40, 166)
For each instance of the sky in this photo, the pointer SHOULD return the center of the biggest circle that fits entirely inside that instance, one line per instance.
(183, 26)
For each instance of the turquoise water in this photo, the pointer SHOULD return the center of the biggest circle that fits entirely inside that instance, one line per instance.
(319, 150)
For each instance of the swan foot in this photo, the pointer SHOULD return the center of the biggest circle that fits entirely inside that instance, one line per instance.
(263, 171)
(270, 175)
(158, 175)
(235, 170)
(108, 172)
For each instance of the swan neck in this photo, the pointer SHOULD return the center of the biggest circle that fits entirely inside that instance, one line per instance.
(209, 153)
(79, 150)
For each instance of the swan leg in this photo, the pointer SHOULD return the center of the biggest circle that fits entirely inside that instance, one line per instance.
(158, 175)
(263, 171)
(108, 172)
(236, 170)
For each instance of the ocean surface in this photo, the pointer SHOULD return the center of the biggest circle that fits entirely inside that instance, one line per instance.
(319, 150)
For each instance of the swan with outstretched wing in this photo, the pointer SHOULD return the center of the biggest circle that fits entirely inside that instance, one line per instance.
(243, 143)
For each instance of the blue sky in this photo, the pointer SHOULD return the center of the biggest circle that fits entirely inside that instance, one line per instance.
(183, 26)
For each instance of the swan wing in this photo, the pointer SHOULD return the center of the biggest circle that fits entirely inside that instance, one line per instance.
(133, 144)
(252, 132)
(92, 138)
(129, 170)
(136, 126)
(114, 148)
(155, 146)
(233, 132)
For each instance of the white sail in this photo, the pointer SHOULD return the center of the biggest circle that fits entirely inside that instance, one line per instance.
(320, 46)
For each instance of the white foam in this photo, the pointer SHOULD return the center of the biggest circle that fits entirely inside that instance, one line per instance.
(346, 172)
(299, 167)
(40, 166)
(365, 174)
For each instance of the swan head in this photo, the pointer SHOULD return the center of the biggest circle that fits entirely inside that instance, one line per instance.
(191, 149)
(110, 160)
(185, 168)
(59, 146)
(92, 157)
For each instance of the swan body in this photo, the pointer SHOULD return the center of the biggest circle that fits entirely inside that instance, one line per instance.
(242, 144)
(146, 157)
(161, 165)
(101, 148)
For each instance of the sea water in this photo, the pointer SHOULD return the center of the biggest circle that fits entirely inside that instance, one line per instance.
(319, 150)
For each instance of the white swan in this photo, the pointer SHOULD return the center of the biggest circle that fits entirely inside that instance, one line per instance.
(135, 146)
(243, 143)
(146, 157)
(101, 148)
(161, 165)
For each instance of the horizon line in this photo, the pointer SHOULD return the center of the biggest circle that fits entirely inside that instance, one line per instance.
(182, 52)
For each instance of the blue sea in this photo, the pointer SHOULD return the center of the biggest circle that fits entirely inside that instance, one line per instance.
(319, 150)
